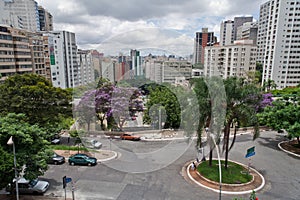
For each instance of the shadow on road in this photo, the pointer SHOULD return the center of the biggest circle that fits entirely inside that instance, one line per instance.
(271, 142)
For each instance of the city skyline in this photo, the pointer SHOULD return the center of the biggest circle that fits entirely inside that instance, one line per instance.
(169, 27)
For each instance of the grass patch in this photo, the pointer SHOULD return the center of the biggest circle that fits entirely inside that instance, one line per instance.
(66, 147)
(232, 175)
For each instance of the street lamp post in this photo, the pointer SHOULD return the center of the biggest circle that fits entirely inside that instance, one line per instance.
(203, 158)
(11, 142)
(219, 161)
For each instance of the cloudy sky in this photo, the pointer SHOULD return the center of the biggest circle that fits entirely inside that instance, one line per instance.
(157, 25)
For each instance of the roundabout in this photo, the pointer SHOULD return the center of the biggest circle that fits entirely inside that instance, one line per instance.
(256, 184)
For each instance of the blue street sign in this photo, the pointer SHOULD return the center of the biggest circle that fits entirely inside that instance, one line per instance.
(68, 180)
(250, 154)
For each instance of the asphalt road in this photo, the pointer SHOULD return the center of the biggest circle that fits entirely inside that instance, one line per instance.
(113, 180)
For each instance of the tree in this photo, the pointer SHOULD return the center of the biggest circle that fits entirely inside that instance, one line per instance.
(161, 95)
(242, 102)
(31, 149)
(35, 96)
(85, 110)
(124, 103)
(269, 84)
(212, 105)
(283, 114)
(110, 103)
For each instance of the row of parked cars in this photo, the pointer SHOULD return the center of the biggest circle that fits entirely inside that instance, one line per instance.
(76, 159)
(37, 186)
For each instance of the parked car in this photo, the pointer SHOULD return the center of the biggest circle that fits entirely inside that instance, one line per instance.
(55, 141)
(93, 144)
(56, 159)
(28, 187)
(126, 136)
(82, 159)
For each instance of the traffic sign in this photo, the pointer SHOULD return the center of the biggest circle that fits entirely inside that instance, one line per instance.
(250, 152)
(68, 180)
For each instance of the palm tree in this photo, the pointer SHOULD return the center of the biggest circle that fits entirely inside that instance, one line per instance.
(212, 106)
(242, 101)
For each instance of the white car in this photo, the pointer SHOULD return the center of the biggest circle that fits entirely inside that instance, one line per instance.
(28, 187)
(94, 144)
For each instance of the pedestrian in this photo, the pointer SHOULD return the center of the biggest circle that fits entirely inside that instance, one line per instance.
(193, 166)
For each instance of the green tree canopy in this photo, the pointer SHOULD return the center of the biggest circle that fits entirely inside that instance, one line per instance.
(283, 114)
(31, 148)
(162, 96)
(35, 96)
(242, 101)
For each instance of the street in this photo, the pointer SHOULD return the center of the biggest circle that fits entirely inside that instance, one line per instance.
(109, 181)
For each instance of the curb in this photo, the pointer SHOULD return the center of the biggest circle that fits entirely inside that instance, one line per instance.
(286, 151)
(227, 192)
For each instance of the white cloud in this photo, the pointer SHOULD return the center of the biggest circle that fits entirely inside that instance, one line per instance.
(97, 21)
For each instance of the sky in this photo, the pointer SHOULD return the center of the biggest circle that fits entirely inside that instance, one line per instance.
(168, 26)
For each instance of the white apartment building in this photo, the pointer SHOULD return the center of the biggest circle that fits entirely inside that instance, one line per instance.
(65, 72)
(85, 62)
(174, 72)
(231, 60)
(279, 42)
(21, 14)
(226, 33)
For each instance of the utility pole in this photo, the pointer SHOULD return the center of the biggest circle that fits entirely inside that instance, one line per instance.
(11, 142)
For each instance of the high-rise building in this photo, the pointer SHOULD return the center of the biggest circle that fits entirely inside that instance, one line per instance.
(248, 31)
(20, 14)
(226, 33)
(279, 42)
(45, 20)
(136, 63)
(108, 66)
(62, 47)
(37, 54)
(228, 29)
(202, 40)
(239, 21)
(85, 64)
(15, 53)
(232, 60)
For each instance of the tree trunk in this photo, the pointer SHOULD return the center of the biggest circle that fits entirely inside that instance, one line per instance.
(89, 126)
(226, 142)
(298, 139)
(210, 156)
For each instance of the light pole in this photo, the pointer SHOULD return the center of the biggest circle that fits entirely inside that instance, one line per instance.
(220, 170)
(11, 142)
(206, 131)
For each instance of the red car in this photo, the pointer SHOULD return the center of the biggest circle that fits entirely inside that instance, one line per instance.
(126, 136)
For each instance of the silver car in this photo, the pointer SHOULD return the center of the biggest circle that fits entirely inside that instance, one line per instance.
(29, 187)
(93, 144)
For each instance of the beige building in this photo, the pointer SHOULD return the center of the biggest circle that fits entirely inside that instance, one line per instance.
(231, 60)
(15, 53)
(37, 53)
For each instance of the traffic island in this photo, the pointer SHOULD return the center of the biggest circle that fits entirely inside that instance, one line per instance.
(291, 147)
(256, 183)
